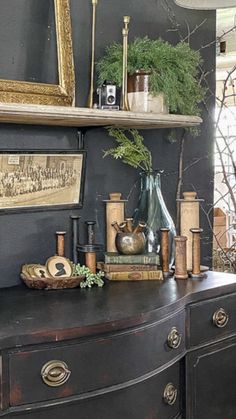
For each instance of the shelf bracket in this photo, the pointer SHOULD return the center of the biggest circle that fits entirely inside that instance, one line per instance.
(80, 136)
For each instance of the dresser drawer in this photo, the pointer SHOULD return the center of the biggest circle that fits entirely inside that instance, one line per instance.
(157, 397)
(211, 320)
(62, 371)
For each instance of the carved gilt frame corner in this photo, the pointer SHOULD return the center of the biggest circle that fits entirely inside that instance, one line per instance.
(63, 94)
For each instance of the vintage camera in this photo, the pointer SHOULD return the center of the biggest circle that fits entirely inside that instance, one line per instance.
(108, 96)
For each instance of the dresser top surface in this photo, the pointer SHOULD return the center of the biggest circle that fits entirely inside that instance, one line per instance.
(33, 316)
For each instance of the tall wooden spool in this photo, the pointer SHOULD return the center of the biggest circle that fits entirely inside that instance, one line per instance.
(180, 257)
(189, 218)
(115, 211)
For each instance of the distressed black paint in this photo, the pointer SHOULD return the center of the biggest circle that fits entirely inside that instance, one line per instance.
(114, 341)
(26, 238)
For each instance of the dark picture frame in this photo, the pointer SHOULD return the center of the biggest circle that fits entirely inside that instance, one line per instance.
(37, 180)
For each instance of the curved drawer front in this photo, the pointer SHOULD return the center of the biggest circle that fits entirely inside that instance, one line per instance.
(157, 397)
(211, 320)
(63, 371)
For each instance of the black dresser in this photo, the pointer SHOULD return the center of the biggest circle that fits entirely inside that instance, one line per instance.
(141, 350)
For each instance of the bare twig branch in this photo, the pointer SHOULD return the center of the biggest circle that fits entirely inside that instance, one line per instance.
(218, 39)
(224, 143)
(180, 180)
(191, 32)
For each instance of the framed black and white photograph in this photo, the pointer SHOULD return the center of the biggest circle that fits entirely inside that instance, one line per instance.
(34, 180)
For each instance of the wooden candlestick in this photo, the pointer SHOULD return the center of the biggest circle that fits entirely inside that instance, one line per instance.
(165, 250)
(124, 94)
(196, 252)
(180, 257)
(60, 237)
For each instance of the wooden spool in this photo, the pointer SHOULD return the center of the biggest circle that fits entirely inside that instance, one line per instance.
(60, 237)
(189, 218)
(165, 250)
(91, 261)
(180, 257)
(196, 252)
(115, 211)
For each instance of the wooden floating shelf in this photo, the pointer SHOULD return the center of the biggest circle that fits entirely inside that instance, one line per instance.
(85, 117)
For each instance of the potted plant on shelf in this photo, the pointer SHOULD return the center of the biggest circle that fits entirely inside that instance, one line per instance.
(151, 206)
(162, 68)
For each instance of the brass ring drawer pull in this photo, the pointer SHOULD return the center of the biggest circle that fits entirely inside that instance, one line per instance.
(170, 394)
(55, 373)
(174, 338)
(220, 318)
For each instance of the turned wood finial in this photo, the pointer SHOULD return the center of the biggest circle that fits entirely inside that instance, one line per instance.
(115, 196)
(190, 196)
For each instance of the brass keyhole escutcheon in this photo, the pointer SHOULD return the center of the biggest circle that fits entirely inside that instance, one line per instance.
(220, 318)
(174, 338)
(170, 394)
(55, 373)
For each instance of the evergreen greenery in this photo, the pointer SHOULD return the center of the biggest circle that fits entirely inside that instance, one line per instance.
(130, 149)
(174, 71)
(90, 277)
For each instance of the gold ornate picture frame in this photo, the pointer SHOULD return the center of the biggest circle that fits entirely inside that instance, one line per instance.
(63, 94)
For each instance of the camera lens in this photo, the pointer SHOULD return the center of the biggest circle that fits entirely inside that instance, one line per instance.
(111, 99)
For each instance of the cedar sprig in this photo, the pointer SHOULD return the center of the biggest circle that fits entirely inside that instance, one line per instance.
(173, 71)
(130, 149)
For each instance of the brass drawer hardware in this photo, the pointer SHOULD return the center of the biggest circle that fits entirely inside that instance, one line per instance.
(174, 338)
(220, 318)
(55, 373)
(170, 394)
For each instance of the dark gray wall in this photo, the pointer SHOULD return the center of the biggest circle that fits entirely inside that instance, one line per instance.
(29, 237)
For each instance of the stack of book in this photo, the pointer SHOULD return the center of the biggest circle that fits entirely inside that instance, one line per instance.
(119, 267)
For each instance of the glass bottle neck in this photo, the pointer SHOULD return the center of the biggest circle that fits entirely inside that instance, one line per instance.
(150, 180)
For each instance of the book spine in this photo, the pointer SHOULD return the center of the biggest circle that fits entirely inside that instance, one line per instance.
(135, 276)
(125, 267)
(134, 259)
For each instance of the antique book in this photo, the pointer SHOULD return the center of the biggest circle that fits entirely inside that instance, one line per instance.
(119, 267)
(135, 276)
(146, 258)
